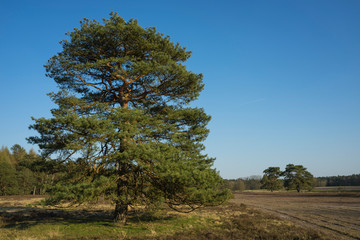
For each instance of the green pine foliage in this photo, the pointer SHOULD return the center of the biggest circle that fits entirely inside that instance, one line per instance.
(123, 127)
(350, 180)
(7, 157)
(8, 180)
(271, 179)
(235, 184)
(23, 172)
(296, 177)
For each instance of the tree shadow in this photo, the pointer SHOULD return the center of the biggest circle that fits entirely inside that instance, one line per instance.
(25, 217)
(21, 218)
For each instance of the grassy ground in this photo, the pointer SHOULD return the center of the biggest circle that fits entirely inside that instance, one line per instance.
(19, 220)
(337, 189)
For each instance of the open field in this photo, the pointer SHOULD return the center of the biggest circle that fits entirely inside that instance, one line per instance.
(21, 220)
(337, 215)
(337, 189)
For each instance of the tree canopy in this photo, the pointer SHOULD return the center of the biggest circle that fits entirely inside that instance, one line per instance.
(297, 177)
(271, 179)
(23, 172)
(123, 125)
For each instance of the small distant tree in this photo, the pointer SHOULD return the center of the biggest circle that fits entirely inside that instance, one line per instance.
(6, 156)
(270, 180)
(252, 182)
(239, 185)
(26, 177)
(18, 152)
(8, 181)
(297, 177)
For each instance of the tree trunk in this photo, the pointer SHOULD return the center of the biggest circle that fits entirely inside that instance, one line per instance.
(121, 206)
(120, 213)
(121, 203)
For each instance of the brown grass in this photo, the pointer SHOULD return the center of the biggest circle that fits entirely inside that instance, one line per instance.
(235, 221)
(337, 215)
(19, 220)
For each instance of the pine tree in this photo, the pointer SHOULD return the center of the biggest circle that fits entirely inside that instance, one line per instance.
(123, 125)
(8, 181)
(297, 177)
(271, 179)
(18, 152)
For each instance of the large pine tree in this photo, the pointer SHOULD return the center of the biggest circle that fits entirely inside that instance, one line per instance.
(123, 125)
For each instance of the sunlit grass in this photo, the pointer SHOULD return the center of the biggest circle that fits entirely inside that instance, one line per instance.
(231, 221)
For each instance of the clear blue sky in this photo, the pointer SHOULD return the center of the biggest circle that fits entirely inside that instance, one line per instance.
(282, 78)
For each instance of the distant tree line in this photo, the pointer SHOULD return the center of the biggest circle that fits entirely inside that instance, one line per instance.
(25, 172)
(241, 184)
(351, 180)
(295, 177)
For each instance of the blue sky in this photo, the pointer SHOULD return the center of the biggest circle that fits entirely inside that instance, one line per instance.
(282, 78)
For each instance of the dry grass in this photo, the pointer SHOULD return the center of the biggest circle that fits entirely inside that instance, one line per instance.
(19, 200)
(19, 220)
(335, 214)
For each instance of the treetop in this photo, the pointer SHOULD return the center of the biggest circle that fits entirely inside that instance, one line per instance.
(120, 62)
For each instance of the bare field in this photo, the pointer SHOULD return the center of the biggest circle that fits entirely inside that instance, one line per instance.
(337, 189)
(337, 215)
